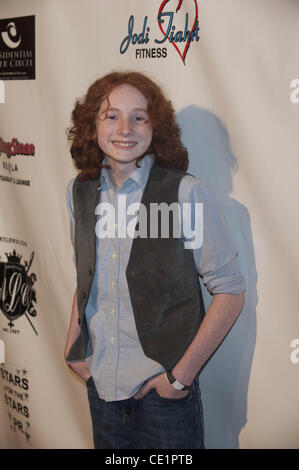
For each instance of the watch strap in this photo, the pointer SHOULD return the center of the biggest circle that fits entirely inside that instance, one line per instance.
(176, 383)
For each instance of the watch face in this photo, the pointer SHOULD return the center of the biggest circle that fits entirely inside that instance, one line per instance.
(178, 385)
(175, 383)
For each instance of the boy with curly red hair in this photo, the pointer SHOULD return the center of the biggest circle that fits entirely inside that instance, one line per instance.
(139, 335)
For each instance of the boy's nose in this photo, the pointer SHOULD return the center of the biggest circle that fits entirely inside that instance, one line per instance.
(125, 127)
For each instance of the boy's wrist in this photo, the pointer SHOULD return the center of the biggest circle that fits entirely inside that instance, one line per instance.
(175, 383)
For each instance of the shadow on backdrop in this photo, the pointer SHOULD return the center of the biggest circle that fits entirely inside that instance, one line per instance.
(224, 380)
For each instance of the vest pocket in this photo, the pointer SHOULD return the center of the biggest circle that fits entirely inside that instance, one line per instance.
(180, 294)
(177, 305)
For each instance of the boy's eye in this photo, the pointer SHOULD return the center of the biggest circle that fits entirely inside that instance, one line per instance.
(140, 118)
(111, 116)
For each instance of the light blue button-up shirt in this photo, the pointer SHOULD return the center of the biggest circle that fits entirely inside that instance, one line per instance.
(115, 356)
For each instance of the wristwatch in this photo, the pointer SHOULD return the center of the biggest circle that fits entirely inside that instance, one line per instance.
(175, 383)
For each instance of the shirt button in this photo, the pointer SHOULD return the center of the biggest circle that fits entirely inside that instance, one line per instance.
(113, 311)
(112, 339)
(113, 283)
(113, 255)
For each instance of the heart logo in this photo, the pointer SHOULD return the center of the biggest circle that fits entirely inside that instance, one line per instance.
(182, 53)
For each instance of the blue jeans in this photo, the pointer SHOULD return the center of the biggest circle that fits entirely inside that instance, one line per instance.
(153, 422)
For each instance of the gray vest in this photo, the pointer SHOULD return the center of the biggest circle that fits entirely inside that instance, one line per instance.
(161, 274)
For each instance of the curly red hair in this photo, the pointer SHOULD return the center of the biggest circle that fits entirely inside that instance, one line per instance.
(166, 144)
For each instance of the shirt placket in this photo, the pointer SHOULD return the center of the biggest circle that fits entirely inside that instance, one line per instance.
(113, 303)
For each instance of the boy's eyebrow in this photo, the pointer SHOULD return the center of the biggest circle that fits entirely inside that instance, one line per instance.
(116, 109)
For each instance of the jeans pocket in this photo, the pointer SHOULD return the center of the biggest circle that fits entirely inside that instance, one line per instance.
(172, 400)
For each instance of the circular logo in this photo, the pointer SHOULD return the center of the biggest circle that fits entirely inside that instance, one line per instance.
(10, 36)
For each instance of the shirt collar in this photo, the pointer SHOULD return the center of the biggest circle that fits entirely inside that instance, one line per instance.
(105, 180)
(139, 175)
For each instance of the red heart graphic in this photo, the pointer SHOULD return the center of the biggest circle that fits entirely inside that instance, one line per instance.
(183, 56)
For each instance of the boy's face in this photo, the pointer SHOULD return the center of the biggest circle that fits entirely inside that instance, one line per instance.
(124, 130)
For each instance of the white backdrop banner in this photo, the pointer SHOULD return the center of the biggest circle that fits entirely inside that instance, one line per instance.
(231, 70)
